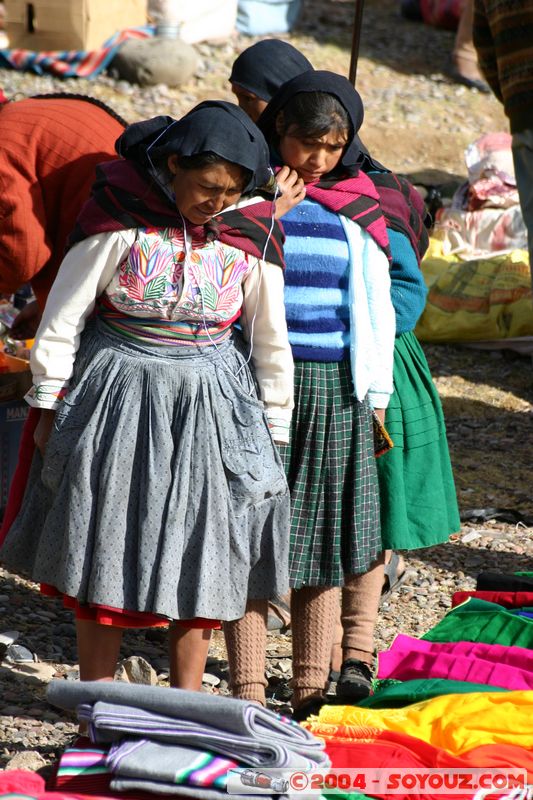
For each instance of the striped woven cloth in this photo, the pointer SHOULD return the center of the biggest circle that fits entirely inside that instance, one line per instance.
(72, 63)
(89, 769)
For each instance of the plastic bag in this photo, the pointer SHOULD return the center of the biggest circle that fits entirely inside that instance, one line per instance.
(475, 300)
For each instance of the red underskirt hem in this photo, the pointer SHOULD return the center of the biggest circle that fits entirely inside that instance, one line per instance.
(120, 618)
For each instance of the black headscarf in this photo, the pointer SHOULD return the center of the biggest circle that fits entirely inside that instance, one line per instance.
(267, 65)
(355, 156)
(214, 126)
(400, 203)
(125, 194)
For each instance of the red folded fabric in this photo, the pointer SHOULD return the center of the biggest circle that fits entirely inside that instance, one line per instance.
(506, 599)
(395, 750)
(30, 785)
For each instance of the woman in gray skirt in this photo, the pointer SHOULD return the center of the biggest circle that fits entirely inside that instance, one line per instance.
(157, 493)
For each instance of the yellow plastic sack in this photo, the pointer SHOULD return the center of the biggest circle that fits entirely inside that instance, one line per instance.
(484, 298)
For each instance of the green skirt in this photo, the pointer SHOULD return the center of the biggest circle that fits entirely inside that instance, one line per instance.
(418, 499)
(332, 476)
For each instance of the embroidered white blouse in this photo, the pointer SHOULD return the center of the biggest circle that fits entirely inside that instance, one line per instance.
(143, 273)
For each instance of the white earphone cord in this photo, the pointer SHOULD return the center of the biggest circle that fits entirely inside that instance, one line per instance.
(259, 264)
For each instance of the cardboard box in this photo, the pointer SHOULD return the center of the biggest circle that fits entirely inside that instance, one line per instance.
(12, 419)
(69, 24)
(15, 383)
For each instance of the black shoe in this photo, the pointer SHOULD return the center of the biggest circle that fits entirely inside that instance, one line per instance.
(308, 708)
(470, 83)
(355, 681)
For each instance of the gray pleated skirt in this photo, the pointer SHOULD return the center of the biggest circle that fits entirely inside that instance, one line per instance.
(161, 489)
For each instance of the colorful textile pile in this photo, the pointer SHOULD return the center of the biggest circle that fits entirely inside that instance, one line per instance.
(485, 216)
(149, 739)
(477, 266)
(491, 664)
(20, 784)
(459, 698)
(72, 63)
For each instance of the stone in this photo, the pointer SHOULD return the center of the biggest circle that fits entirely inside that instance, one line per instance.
(13, 711)
(149, 62)
(39, 672)
(136, 669)
(27, 760)
(210, 680)
(17, 654)
(8, 637)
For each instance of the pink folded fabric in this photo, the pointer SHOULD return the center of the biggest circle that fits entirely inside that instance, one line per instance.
(474, 662)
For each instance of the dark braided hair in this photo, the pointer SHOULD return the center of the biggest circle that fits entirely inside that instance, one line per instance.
(86, 98)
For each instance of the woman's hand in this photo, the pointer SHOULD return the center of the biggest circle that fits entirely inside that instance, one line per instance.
(292, 188)
(26, 322)
(380, 414)
(44, 429)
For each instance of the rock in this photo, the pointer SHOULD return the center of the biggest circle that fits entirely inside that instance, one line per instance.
(8, 637)
(149, 62)
(17, 654)
(210, 680)
(136, 669)
(39, 672)
(28, 760)
(12, 711)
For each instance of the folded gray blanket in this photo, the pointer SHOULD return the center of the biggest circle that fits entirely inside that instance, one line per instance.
(112, 723)
(138, 785)
(173, 769)
(235, 728)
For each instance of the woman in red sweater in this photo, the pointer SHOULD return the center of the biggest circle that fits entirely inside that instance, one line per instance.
(51, 145)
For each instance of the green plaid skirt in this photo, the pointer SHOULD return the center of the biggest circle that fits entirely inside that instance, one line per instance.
(331, 470)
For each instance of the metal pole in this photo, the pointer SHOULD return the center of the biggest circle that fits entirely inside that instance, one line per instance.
(356, 35)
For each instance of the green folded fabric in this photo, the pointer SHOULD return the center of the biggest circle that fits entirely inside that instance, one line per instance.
(480, 621)
(407, 692)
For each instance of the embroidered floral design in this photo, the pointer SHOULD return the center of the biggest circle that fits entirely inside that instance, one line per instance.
(157, 281)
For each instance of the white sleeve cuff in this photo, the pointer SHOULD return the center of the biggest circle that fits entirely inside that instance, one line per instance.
(279, 422)
(378, 399)
(46, 395)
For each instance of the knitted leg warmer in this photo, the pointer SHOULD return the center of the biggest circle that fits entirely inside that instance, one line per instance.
(360, 604)
(314, 610)
(246, 646)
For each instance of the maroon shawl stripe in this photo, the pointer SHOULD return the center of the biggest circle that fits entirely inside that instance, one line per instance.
(260, 215)
(124, 196)
(403, 209)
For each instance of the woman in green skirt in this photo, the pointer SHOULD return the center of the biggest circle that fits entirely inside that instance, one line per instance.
(417, 494)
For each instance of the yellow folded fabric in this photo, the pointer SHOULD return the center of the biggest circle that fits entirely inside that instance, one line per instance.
(454, 722)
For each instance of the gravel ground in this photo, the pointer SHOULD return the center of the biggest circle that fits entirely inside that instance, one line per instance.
(415, 119)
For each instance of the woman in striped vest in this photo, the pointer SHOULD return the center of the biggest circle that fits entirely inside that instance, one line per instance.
(341, 329)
